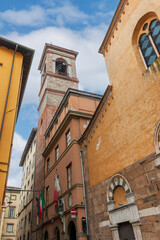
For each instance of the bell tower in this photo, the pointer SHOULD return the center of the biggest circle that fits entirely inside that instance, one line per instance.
(58, 73)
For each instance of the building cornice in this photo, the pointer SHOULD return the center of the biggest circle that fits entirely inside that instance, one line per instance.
(27, 61)
(64, 100)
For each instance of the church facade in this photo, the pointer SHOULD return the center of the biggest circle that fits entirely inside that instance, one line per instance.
(121, 146)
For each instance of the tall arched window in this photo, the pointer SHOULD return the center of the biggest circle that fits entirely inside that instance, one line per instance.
(149, 41)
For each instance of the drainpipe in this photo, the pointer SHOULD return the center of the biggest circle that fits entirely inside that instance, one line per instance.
(8, 89)
(84, 193)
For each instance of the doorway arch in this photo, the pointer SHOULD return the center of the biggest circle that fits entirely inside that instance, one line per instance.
(72, 231)
(57, 234)
(46, 236)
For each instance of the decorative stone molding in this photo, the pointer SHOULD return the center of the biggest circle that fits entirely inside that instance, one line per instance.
(156, 134)
(117, 180)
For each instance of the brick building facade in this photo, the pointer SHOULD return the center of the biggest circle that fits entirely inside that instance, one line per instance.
(121, 144)
(63, 175)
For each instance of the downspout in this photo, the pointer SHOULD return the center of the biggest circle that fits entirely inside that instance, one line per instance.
(84, 193)
(8, 90)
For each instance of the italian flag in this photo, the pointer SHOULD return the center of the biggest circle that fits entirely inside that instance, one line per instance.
(41, 205)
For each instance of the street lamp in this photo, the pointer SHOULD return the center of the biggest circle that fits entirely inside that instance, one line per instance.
(7, 203)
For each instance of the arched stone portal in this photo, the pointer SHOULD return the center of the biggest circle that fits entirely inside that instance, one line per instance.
(123, 212)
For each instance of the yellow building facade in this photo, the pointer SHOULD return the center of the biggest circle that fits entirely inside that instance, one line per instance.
(15, 62)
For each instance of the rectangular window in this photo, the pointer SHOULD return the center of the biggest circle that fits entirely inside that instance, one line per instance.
(21, 223)
(11, 212)
(28, 238)
(25, 221)
(57, 152)
(23, 201)
(69, 175)
(29, 218)
(68, 137)
(47, 195)
(33, 161)
(48, 163)
(9, 228)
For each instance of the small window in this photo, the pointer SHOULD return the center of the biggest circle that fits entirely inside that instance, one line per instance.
(9, 228)
(29, 217)
(57, 153)
(27, 199)
(69, 175)
(68, 137)
(25, 221)
(23, 201)
(11, 212)
(48, 164)
(21, 223)
(47, 195)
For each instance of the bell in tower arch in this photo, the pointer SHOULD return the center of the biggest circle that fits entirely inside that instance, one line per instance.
(61, 67)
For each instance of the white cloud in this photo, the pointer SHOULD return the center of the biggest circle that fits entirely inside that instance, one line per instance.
(68, 13)
(15, 171)
(91, 70)
(32, 17)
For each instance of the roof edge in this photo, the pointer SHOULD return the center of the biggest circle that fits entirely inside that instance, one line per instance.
(112, 26)
(96, 113)
(28, 144)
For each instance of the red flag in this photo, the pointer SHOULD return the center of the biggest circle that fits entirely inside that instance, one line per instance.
(56, 197)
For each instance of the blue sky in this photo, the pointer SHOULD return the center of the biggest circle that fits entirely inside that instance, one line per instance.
(78, 25)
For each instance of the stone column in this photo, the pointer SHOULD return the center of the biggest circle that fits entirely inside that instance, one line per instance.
(136, 228)
(114, 230)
